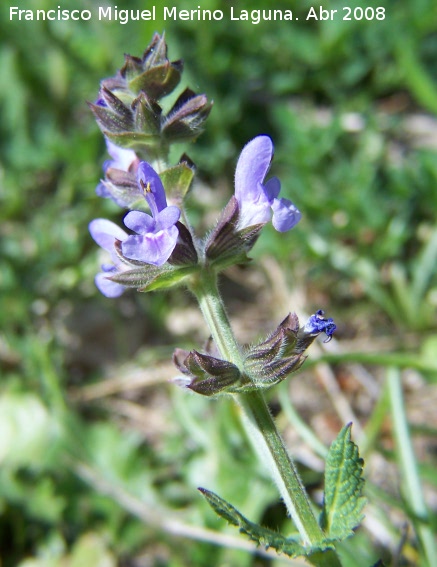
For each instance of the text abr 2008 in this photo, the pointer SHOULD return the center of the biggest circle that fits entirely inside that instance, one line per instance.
(360, 13)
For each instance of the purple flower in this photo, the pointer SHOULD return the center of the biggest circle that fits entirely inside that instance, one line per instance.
(317, 323)
(255, 199)
(155, 237)
(157, 234)
(105, 233)
(122, 158)
(120, 176)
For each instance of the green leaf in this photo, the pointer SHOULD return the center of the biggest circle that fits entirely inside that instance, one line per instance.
(262, 536)
(343, 501)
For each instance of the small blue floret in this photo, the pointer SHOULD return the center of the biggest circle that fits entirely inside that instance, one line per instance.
(317, 323)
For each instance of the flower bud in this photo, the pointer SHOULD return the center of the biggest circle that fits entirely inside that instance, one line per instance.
(208, 375)
(153, 73)
(146, 114)
(111, 113)
(270, 361)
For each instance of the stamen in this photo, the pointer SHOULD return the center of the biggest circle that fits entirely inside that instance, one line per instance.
(145, 186)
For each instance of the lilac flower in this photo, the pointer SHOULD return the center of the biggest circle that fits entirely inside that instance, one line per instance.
(255, 199)
(120, 176)
(155, 237)
(122, 158)
(105, 233)
(157, 234)
(318, 324)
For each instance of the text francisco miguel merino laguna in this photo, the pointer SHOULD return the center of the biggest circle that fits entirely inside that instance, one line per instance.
(112, 13)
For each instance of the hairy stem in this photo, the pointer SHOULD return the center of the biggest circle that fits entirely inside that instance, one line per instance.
(259, 423)
(212, 307)
(270, 447)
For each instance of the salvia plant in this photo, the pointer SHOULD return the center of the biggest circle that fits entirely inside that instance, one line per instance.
(158, 248)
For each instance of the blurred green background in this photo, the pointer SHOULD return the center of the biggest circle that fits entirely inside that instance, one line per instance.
(100, 457)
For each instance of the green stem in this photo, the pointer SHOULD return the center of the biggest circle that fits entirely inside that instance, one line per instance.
(266, 439)
(259, 423)
(212, 307)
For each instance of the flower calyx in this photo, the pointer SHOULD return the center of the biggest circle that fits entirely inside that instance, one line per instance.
(205, 374)
(227, 244)
(265, 364)
(184, 122)
(273, 359)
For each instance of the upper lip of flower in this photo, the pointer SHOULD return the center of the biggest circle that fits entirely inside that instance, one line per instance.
(252, 167)
(256, 198)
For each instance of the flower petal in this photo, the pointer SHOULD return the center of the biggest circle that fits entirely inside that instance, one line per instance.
(102, 190)
(122, 158)
(272, 188)
(105, 233)
(151, 248)
(252, 167)
(139, 222)
(107, 287)
(318, 323)
(151, 184)
(167, 218)
(285, 215)
(251, 213)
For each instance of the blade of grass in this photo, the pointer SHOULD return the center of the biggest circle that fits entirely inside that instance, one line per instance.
(297, 422)
(425, 269)
(412, 489)
(398, 359)
(374, 424)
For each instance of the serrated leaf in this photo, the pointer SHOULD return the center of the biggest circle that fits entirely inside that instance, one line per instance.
(343, 500)
(262, 536)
